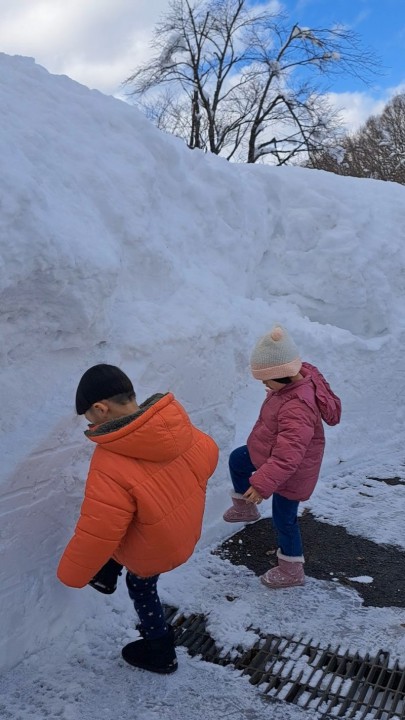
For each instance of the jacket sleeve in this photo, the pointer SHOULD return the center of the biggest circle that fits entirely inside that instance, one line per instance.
(106, 512)
(296, 425)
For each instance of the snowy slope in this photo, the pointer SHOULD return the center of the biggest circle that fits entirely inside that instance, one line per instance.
(120, 245)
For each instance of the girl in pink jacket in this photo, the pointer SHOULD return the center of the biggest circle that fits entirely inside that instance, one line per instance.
(284, 450)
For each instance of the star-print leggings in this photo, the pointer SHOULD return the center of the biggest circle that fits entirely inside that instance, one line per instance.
(143, 593)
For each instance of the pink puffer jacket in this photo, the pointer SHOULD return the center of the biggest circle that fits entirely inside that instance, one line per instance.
(287, 442)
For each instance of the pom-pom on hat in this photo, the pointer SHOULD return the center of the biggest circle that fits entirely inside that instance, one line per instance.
(101, 382)
(275, 356)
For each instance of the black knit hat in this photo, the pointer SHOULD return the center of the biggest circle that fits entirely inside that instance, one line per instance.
(101, 382)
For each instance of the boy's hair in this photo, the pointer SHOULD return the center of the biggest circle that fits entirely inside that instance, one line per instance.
(103, 382)
(122, 398)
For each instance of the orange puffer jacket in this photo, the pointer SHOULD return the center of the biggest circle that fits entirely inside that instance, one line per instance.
(145, 493)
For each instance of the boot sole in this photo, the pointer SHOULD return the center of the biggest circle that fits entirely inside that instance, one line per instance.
(280, 587)
(243, 521)
(159, 671)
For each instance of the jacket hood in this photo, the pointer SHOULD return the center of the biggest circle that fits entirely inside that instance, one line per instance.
(159, 432)
(328, 403)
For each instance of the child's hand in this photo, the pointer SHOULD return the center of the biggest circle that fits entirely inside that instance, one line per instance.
(253, 496)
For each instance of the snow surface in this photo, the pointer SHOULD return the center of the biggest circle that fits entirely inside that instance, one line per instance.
(362, 579)
(119, 245)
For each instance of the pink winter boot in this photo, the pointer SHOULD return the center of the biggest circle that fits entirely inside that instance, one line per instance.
(241, 510)
(288, 573)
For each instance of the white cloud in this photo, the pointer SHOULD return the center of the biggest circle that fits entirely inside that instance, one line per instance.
(97, 42)
(272, 6)
(356, 107)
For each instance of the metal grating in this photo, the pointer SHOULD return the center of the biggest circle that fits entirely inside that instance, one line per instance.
(332, 683)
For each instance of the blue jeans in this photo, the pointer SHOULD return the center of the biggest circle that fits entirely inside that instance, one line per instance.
(284, 511)
(143, 593)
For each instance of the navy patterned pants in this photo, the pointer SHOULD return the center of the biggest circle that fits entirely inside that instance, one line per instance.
(143, 593)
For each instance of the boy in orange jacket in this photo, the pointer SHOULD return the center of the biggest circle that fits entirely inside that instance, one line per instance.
(143, 504)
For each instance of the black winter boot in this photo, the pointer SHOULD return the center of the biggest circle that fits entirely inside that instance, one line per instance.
(105, 581)
(156, 655)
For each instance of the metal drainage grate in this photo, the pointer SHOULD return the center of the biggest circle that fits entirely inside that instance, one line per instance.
(331, 683)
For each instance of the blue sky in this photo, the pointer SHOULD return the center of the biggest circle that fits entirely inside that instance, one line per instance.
(379, 23)
(100, 42)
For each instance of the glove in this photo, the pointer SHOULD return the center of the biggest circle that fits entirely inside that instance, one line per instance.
(105, 581)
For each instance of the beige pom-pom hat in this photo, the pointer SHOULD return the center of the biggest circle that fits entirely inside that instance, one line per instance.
(275, 355)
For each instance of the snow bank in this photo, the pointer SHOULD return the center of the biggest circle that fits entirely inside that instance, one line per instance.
(119, 245)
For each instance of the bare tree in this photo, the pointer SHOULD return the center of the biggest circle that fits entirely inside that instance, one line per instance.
(377, 150)
(239, 81)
